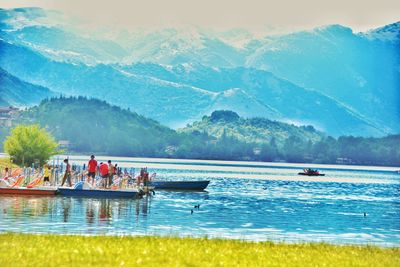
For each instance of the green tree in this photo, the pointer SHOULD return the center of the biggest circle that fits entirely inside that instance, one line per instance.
(28, 144)
(294, 149)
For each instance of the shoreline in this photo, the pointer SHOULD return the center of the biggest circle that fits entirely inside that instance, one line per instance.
(226, 163)
(211, 238)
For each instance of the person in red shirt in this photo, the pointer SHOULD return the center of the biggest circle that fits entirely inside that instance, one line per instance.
(92, 166)
(104, 173)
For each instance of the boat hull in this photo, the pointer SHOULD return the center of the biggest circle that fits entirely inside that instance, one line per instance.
(311, 174)
(180, 185)
(28, 191)
(98, 193)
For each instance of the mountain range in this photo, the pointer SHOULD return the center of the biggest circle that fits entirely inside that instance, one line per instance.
(341, 82)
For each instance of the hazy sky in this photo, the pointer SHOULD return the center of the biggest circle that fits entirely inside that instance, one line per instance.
(223, 14)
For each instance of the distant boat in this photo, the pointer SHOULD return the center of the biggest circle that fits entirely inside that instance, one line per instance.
(180, 185)
(310, 172)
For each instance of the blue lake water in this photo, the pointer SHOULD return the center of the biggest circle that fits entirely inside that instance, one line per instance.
(243, 201)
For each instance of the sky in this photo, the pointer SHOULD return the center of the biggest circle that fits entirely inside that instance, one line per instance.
(255, 15)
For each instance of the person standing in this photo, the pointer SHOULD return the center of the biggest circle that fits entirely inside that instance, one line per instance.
(67, 174)
(92, 167)
(46, 174)
(104, 174)
(111, 169)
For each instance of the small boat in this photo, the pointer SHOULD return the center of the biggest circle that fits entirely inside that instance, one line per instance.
(180, 185)
(80, 190)
(15, 188)
(38, 191)
(310, 172)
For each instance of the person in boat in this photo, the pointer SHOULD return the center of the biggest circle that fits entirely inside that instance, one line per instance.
(104, 174)
(46, 174)
(140, 176)
(111, 169)
(92, 167)
(116, 171)
(127, 177)
(145, 177)
(311, 171)
(67, 174)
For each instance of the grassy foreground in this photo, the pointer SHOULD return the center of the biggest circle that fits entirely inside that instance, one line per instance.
(56, 250)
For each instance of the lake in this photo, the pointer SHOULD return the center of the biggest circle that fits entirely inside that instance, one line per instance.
(245, 200)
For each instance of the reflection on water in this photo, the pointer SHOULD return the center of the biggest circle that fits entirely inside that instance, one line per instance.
(231, 208)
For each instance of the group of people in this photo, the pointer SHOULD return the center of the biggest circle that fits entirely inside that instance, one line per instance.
(107, 171)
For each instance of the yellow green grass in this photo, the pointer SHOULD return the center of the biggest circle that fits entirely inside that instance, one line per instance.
(61, 250)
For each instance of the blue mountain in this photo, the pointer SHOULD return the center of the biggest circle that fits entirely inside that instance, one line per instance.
(337, 80)
(43, 31)
(174, 97)
(362, 71)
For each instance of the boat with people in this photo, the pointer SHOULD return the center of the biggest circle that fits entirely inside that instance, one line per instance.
(311, 172)
(97, 180)
(35, 181)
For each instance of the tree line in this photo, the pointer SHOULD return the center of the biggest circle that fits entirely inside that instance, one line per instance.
(93, 126)
(383, 151)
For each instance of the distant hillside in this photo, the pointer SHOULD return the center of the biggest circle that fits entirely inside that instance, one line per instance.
(255, 130)
(94, 126)
(16, 92)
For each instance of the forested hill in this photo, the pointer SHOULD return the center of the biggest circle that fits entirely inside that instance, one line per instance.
(253, 130)
(92, 125)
